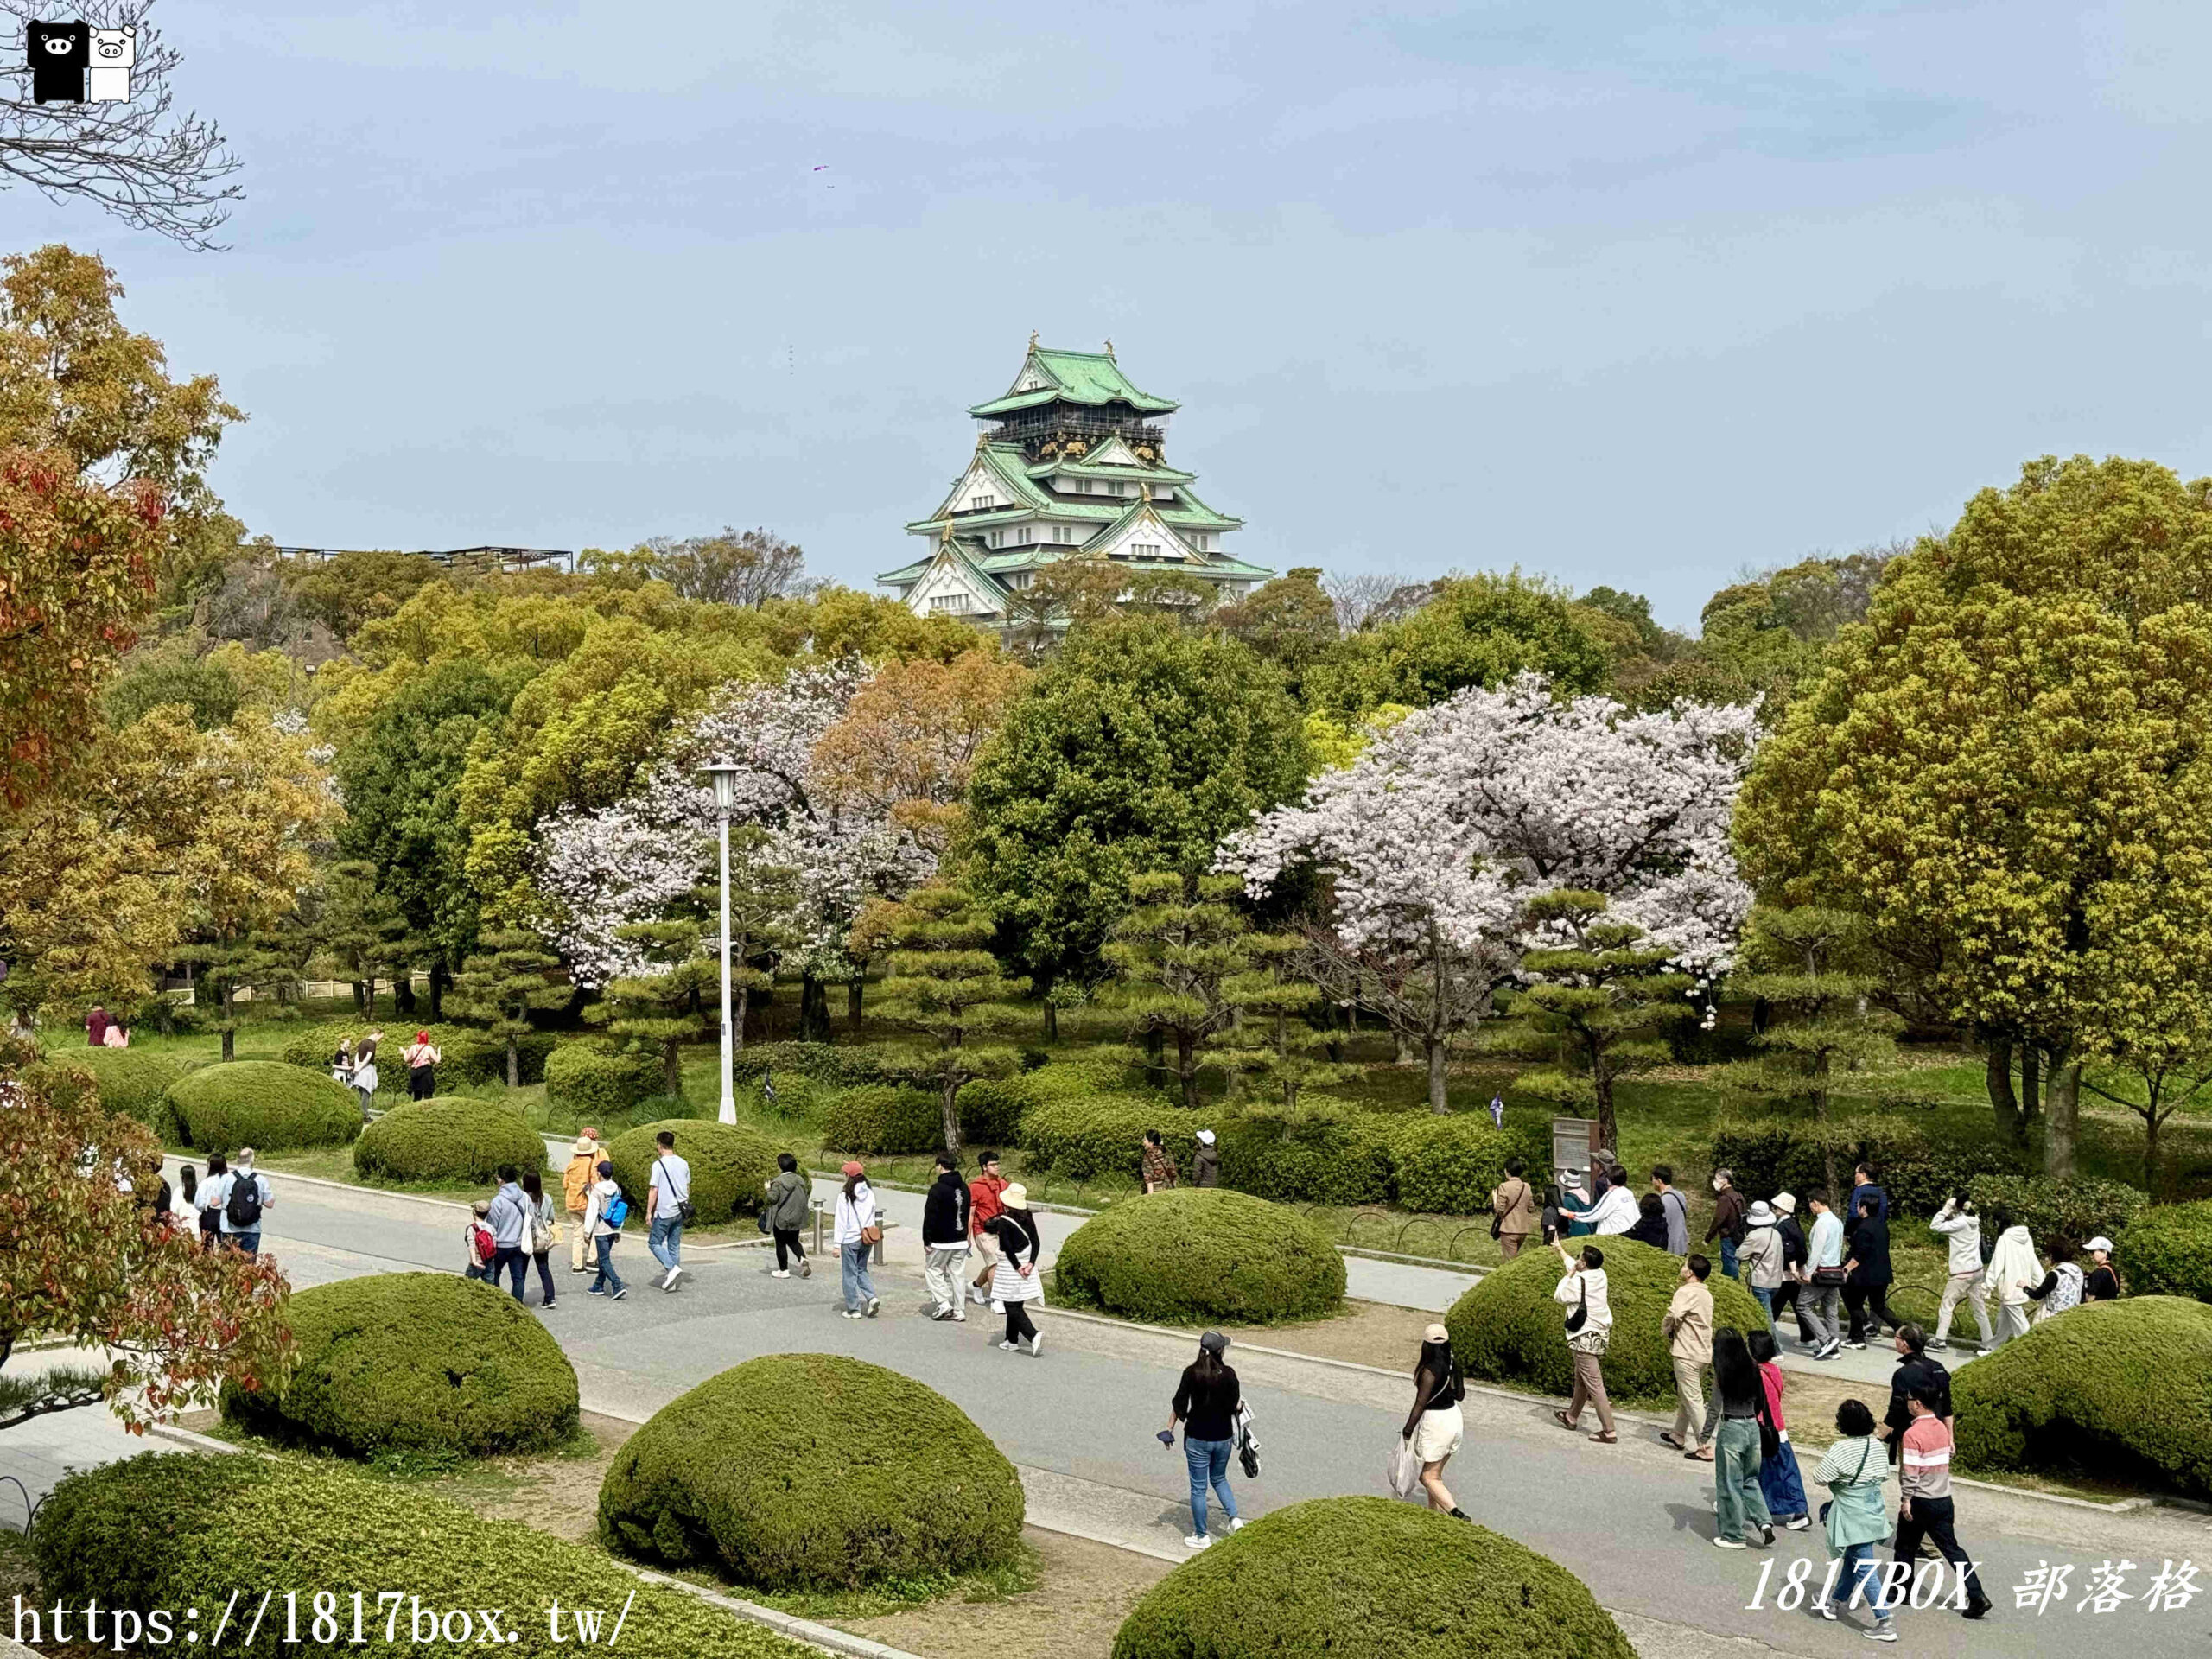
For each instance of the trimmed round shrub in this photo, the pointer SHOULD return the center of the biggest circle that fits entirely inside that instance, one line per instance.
(420, 1361)
(447, 1138)
(1324, 1155)
(2118, 1387)
(1507, 1327)
(824, 1062)
(1191, 1256)
(729, 1165)
(991, 1109)
(1365, 1578)
(1450, 1166)
(2167, 1251)
(595, 1081)
(1084, 1136)
(264, 1104)
(137, 1534)
(876, 1118)
(131, 1081)
(2050, 1208)
(1918, 1172)
(812, 1471)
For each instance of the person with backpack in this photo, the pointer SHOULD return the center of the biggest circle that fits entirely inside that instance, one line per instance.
(603, 1217)
(1205, 1404)
(422, 1057)
(2100, 1284)
(576, 1178)
(1791, 1231)
(1436, 1427)
(1581, 1291)
(788, 1192)
(510, 1223)
(857, 1231)
(477, 1243)
(211, 1202)
(668, 1206)
(244, 1195)
(1156, 1168)
(1739, 1400)
(1959, 1227)
(944, 1239)
(1855, 1518)
(544, 1230)
(2059, 1290)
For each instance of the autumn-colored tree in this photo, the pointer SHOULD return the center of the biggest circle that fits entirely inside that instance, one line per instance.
(907, 742)
(85, 1260)
(659, 1007)
(1087, 589)
(945, 984)
(499, 986)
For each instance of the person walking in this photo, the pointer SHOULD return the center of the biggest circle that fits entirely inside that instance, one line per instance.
(1651, 1222)
(1863, 1187)
(604, 1213)
(1436, 1427)
(668, 1206)
(2100, 1284)
(422, 1057)
(1762, 1255)
(575, 1191)
(96, 1026)
(211, 1202)
(2012, 1269)
(1960, 1228)
(478, 1246)
(1728, 1220)
(945, 1241)
(982, 1210)
(1917, 1372)
(241, 1198)
(1016, 1283)
(1781, 1481)
(1794, 1273)
(1927, 1510)
(1513, 1210)
(788, 1191)
(1615, 1210)
(545, 1230)
(365, 1071)
(1688, 1329)
(1867, 1274)
(510, 1223)
(1205, 1404)
(1855, 1518)
(1581, 1291)
(1820, 1292)
(2060, 1289)
(858, 1232)
(1739, 1396)
(186, 1218)
(1205, 1163)
(1155, 1168)
(1678, 1208)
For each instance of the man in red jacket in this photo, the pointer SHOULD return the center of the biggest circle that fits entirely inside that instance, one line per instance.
(984, 1208)
(96, 1024)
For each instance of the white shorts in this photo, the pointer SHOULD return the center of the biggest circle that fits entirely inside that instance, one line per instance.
(1437, 1434)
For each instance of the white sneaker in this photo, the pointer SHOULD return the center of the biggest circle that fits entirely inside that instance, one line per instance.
(1237, 1525)
(1719, 1542)
(1196, 1542)
(1036, 1344)
(975, 1294)
(780, 1273)
(1010, 1347)
(874, 1302)
(1885, 1631)
(661, 1283)
(674, 1273)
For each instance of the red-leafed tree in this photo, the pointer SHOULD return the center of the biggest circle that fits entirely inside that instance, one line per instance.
(84, 1259)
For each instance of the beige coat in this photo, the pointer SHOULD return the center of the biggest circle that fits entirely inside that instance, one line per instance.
(1515, 1206)
(1688, 1326)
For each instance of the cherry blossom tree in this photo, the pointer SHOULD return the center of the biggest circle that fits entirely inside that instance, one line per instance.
(1434, 839)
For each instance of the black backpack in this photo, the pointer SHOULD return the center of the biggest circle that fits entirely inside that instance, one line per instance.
(243, 1208)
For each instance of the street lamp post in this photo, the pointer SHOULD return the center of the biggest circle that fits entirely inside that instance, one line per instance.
(724, 774)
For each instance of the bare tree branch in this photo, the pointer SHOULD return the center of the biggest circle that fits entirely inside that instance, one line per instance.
(143, 162)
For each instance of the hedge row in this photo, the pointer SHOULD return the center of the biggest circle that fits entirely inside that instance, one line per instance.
(2167, 1251)
(2120, 1387)
(1188, 1257)
(2073, 1210)
(264, 1105)
(800, 1471)
(130, 1081)
(1770, 1155)
(416, 1361)
(469, 1055)
(176, 1530)
(824, 1062)
(596, 1080)
(461, 1138)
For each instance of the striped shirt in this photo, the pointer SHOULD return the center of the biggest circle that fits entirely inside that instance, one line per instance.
(1924, 1462)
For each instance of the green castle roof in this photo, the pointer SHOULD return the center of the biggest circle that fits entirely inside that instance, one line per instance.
(1072, 378)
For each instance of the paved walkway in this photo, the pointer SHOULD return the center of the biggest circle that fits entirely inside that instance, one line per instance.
(1632, 1520)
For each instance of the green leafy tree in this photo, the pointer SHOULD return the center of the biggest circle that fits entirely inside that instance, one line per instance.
(1290, 621)
(2002, 773)
(1596, 1005)
(944, 983)
(660, 1007)
(170, 673)
(360, 929)
(1808, 964)
(500, 984)
(351, 590)
(1176, 956)
(1136, 748)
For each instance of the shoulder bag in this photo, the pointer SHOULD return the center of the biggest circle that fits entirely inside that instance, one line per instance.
(683, 1210)
(1580, 1317)
(1861, 1475)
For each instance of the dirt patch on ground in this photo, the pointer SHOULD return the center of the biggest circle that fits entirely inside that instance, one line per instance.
(1084, 1591)
(558, 1494)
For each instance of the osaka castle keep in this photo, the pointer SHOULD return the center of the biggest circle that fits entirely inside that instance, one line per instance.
(1072, 459)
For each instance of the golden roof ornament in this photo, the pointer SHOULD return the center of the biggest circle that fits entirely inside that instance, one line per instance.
(1032, 340)
(1110, 345)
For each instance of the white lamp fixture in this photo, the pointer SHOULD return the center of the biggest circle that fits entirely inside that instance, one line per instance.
(724, 774)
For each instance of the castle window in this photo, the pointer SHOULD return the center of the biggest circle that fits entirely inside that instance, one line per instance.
(1144, 550)
(982, 501)
(951, 604)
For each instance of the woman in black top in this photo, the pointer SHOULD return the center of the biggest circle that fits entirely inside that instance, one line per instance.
(2101, 1284)
(1739, 1395)
(1651, 1222)
(1205, 1404)
(1014, 1284)
(1435, 1427)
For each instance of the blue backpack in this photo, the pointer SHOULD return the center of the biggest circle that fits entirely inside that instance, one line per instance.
(616, 1213)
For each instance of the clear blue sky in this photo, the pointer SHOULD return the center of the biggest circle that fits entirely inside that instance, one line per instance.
(1636, 292)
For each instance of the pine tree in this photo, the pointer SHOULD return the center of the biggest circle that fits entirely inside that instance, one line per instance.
(501, 984)
(660, 1007)
(1809, 963)
(1597, 1003)
(1175, 956)
(762, 899)
(361, 929)
(945, 983)
(1274, 1041)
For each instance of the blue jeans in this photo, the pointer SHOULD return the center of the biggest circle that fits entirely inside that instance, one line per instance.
(514, 1261)
(860, 1289)
(247, 1244)
(604, 1244)
(1728, 1258)
(1209, 1462)
(1766, 1300)
(1859, 1567)
(666, 1240)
